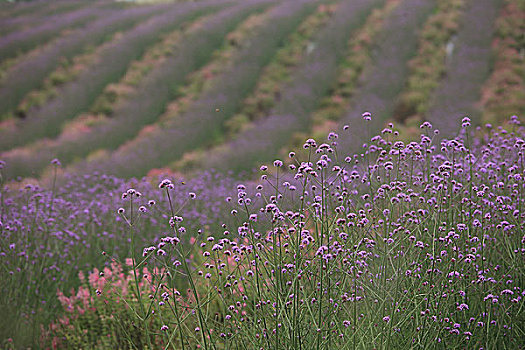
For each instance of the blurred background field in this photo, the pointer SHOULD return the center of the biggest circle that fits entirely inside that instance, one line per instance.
(126, 88)
(205, 92)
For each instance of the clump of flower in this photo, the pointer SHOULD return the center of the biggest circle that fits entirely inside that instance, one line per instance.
(102, 312)
(407, 243)
(50, 232)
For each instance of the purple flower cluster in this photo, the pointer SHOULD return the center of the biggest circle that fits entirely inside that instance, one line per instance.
(49, 235)
(407, 242)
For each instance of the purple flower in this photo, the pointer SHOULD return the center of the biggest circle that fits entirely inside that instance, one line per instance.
(425, 125)
(462, 307)
(166, 183)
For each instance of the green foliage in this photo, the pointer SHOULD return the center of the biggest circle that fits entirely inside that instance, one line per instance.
(235, 124)
(105, 103)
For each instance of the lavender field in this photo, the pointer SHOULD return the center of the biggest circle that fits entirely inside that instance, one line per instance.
(262, 174)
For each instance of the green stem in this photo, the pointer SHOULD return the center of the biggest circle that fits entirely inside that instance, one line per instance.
(144, 316)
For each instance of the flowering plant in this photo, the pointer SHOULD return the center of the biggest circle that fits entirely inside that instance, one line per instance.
(399, 245)
(101, 314)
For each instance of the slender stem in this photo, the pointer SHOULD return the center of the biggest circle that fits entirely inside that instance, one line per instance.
(53, 191)
(144, 316)
(202, 324)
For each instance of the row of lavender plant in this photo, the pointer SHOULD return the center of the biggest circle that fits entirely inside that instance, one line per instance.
(10, 9)
(147, 103)
(14, 89)
(40, 96)
(67, 70)
(78, 95)
(299, 98)
(269, 83)
(268, 90)
(436, 44)
(503, 93)
(203, 120)
(116, 93)
(113, 93)
(401, 246)
(16, 10)
(385, 78)
(349, 76)
(48, 234)
(467, 69)
(223, 59)
(19, 42)
(10, 23)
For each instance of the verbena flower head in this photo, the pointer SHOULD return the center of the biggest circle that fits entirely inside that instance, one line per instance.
(166, 183)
